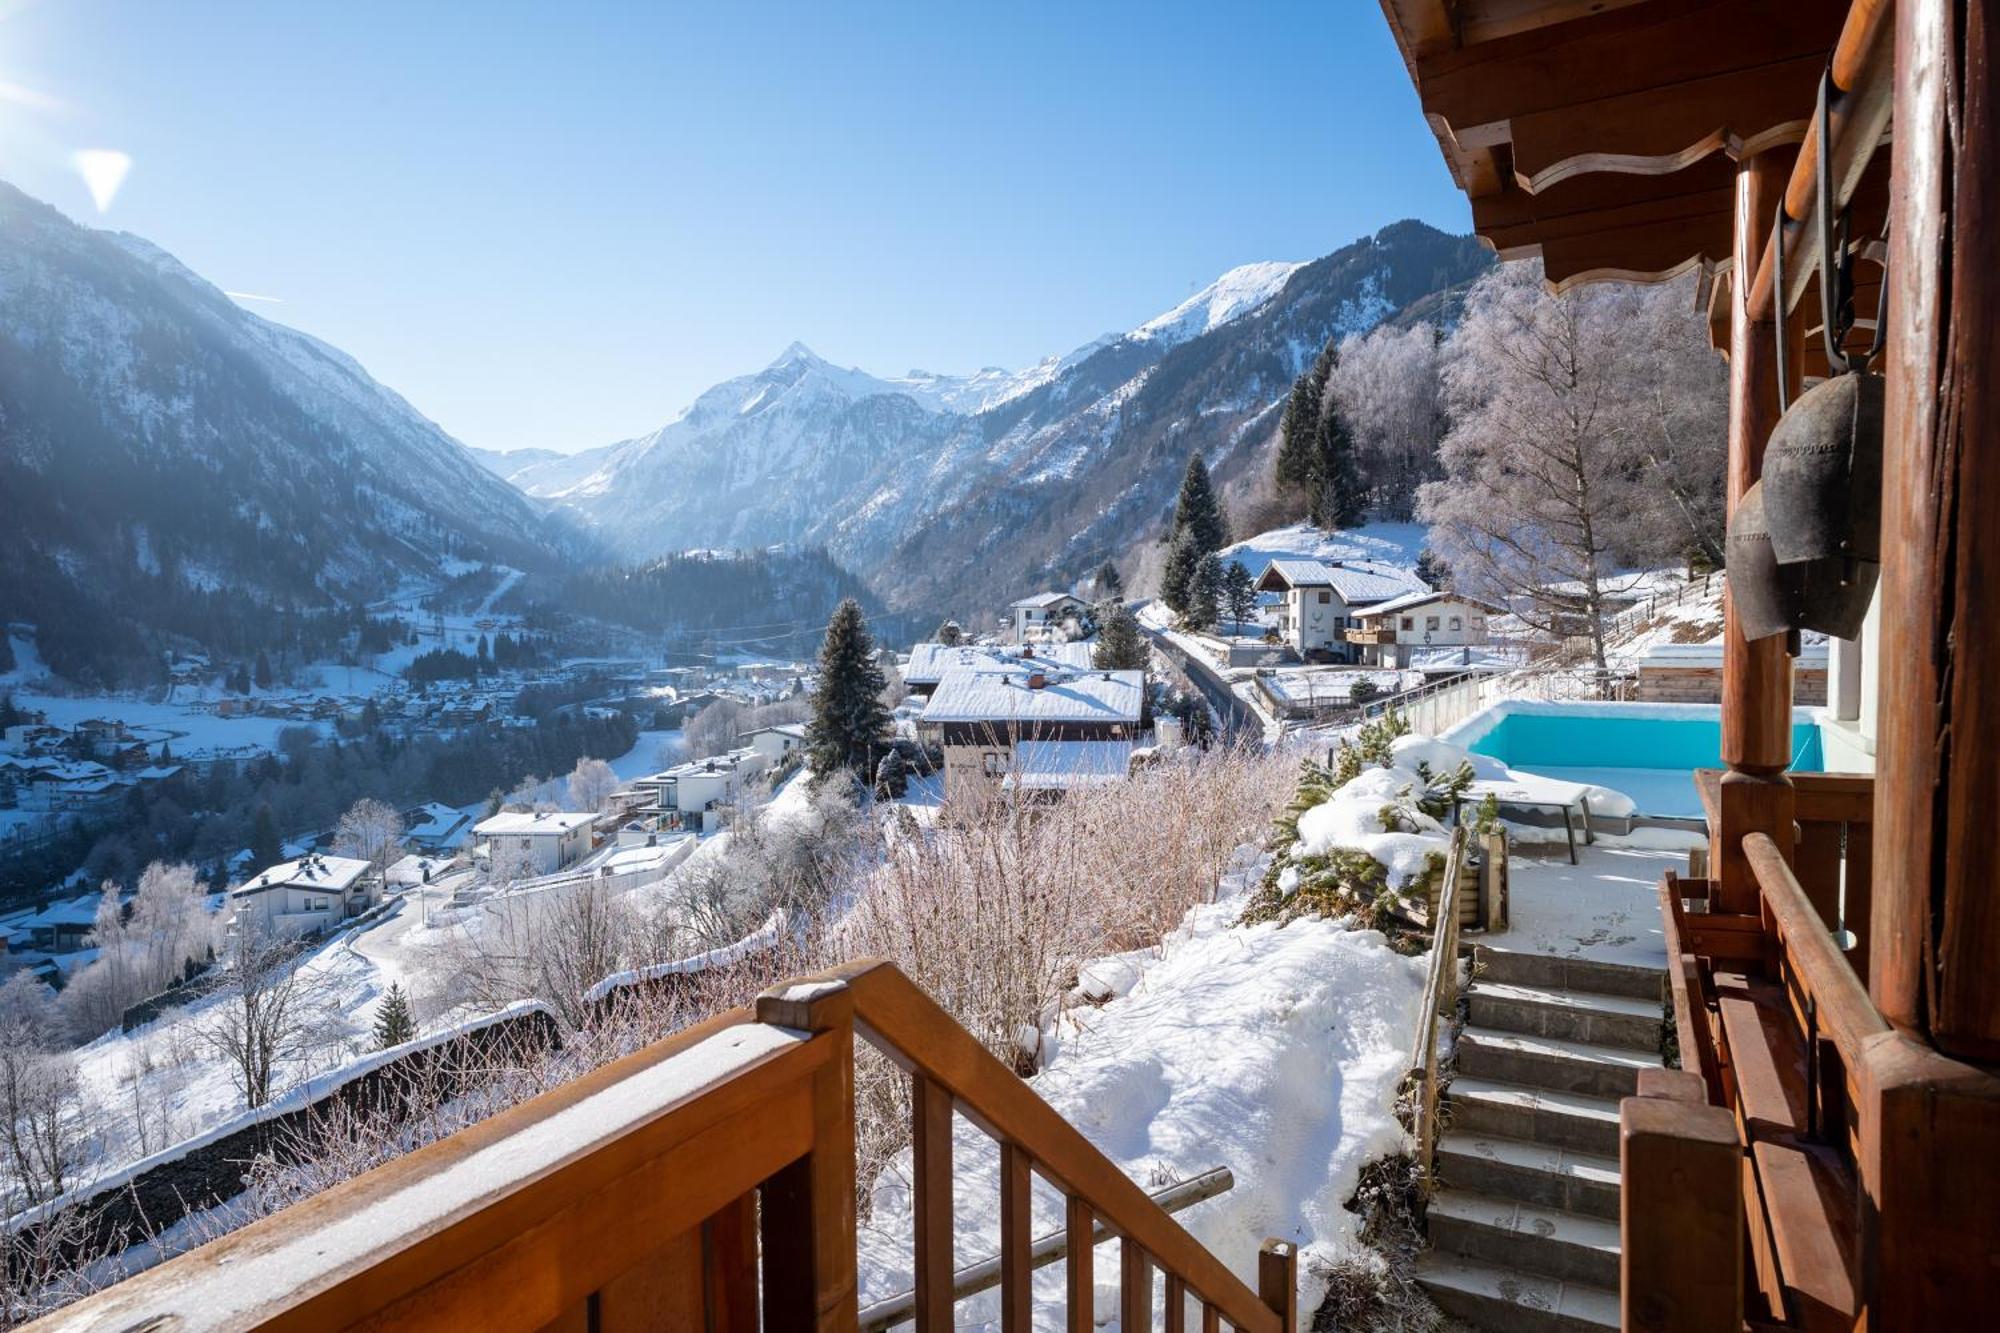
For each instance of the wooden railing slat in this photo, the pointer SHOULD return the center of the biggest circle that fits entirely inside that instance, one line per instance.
(931, 1150)
(1135, 1289)
(1079, 1264)
(729, 1268)
(1176, 1304)
(1016, 1215)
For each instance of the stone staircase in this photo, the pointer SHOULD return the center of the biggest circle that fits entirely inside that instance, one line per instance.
(1524, 1226)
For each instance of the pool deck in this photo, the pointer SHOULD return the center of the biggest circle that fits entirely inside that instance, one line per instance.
(1606, 908)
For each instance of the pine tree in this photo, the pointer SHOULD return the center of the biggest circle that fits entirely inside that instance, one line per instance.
(1239, 593)
(263, 676)
(394, 1024)
(265, 850)
(1110, 584)
(849, 724)
(1197, 511)
(892, 776)
(1120, 644)
(1205, 593)
(1296, 468)
(1177, 579)
(1432, 569)
(1339, 496)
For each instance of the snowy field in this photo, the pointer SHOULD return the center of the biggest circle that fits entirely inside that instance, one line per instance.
(1392, 545)
(1606, 908)
(1273, 1051)
(191, 733)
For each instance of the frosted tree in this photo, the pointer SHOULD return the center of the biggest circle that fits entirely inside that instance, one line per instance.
(1545, 469)
(370, 831)
(1677, 399)
(42, 1126)
(1389, 388)
(591, 783)
(271, 1010)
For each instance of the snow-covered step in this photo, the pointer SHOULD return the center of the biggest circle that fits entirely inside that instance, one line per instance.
(1500, 1299)
(1557, 973)
(1525, 1236)
(1551, 1062)
(1539, 1115)
(1536, 1173)
(1574, 1015)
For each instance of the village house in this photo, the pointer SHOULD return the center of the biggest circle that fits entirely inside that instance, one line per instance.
(306, 896)
(1323, 599)
(691, 796)
(1035, 617)
(775, 743)
(1043, 727)
(436, 828)
(1391, 633)
(929, 661)
(534, 842)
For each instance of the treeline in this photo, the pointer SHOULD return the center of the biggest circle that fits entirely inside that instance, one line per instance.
(758, 601)
(205, 818)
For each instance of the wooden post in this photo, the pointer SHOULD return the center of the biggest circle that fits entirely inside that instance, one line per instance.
(808, 1230)
(1756, 796)
(1680, 1225)
(1278, 1282)
(930, 1150)
(1017, 1291)
(1935, 965)
(1080, 1313)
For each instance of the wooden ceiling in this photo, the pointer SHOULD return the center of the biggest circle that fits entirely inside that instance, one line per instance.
(1600, 135)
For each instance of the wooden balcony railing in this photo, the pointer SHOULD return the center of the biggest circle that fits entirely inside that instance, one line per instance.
(705, 1182)
(1440, 1000)
(1379, 634)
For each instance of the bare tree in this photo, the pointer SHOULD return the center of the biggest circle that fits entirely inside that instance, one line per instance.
(591, 783)
(1545, 493)
(1389, 385)
(371, 831)
(271, 1010)
(141, 950)
(41, 1107)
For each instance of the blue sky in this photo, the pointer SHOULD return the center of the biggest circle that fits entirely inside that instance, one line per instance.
(553, 225)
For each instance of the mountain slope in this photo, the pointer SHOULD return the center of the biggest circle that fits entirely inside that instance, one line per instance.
(158, 444)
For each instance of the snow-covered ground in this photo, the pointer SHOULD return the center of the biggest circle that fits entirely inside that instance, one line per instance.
(1605, 908)
(1273, 1051)
(1393, 547)
(191, 732)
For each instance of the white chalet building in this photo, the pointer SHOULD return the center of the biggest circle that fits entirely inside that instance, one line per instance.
(534, 843)
(1035, 616)
(1392, 632)
(1325, 599)
(305, 897)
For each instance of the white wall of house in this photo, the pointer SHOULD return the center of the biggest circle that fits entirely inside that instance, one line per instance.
(287, 911)
(1443, 624)
(1314, 620)
(541, 852)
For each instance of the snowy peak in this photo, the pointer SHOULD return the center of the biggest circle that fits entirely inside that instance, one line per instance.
(1236, 293)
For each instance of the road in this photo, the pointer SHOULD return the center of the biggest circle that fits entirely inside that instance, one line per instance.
(1239, 720)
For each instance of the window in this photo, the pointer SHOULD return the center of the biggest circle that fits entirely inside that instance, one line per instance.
(1479, 622)
(1456, 623)
(994, 763)
(1325, 597)
(1409, 622)
(1430, 622)
(527, 843)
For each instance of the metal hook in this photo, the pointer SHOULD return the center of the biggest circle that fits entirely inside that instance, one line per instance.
(1881, 304)
(1836, 266)
(1778, 289)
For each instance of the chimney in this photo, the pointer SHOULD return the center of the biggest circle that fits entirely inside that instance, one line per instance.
(1027, 650)
(1036, 680)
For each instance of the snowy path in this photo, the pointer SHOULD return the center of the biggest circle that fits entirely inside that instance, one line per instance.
(500, 590)
(1606, 907)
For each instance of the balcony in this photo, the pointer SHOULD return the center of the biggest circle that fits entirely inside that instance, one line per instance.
(1371, 635)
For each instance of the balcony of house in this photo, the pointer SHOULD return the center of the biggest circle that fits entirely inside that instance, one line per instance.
(1370, 636)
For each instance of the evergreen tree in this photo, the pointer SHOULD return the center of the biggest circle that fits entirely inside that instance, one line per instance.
(1296, 468)
(892, 776)
(1177, 580)
(950, 634)
(1197, 511)
(1340, 499)
(1110, 584)
(485, 653)
(263, 676)
(10, 716)
(394, 1024)
(1239, 593)
(1120, 644)
(850, 724)
(1205, 593)
(1432, 569)
(265, 849)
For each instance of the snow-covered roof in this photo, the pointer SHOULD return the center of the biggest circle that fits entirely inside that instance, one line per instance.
(1006, 696)
(64, 912)
(1356, 586)
(512, 823)
(1043, 599)
(1060, 765)
(332, 874)
(1427, 596)
(796, 730)
(929, 661)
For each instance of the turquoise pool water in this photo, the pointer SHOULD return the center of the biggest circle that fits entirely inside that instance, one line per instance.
(1647, 751)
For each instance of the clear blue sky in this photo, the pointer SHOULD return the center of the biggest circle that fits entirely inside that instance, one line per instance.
(554, 224)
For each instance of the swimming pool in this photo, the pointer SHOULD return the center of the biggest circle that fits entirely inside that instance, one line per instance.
(1647, 751)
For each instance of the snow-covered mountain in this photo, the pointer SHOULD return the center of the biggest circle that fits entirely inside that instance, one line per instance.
(950, 490)
(159, 444)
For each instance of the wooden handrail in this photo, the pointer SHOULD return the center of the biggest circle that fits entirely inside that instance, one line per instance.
(1863, 72)
(895, 1015)
(1440, 997)
(1049, 1248)
(1846, 1014)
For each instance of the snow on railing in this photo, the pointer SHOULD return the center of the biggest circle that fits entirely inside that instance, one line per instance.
(761, 940)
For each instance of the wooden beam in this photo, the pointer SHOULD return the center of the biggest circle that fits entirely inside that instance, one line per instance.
(1936, 966)
(1490, 20)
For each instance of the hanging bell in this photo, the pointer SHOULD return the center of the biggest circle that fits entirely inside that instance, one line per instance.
(1770, 597)
(1822, 473)
(1763, 594)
